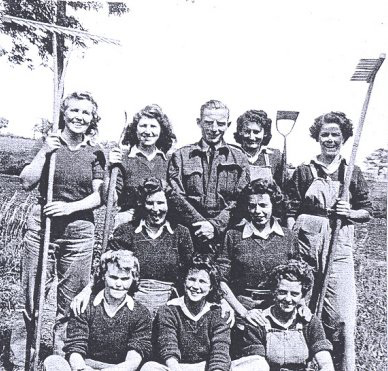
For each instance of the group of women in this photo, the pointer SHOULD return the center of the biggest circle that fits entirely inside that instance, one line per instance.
(261, 282)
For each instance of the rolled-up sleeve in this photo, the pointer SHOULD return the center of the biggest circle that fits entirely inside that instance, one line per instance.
(315, 336)
(253, 341)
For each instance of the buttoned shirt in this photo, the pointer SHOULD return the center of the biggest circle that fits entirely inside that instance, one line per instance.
(250, 229)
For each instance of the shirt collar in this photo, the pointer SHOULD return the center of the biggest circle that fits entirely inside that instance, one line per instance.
(135, 151)
(250, 229)
(253, 159)
(332, 167)
(268, 313)
(151, 234)
(180, 302)
(84, 143)
(203, 147)
(128, 301)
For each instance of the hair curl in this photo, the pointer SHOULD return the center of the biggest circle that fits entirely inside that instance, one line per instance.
(260, 118)
(206, 263)
(332, 117)
(294, 271)
(213, 104)
(125, 260)
(83, 95)
(153, 111)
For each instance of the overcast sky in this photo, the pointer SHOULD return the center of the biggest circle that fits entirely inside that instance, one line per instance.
(270, 55)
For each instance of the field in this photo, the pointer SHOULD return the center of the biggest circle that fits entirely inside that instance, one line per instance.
(370, 263)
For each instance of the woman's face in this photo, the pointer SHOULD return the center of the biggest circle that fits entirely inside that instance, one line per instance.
(252, 135)
(117, 282)
(156, 209)
(78, 115)
(197, 285)
(330, 140)
(288, 295)
(148, 131)
(260, 209)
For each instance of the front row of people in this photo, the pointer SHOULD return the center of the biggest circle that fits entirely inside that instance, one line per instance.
(115, 332)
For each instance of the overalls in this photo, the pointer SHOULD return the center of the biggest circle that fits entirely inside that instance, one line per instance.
(260, 172)
(286, 350)
(314, 234)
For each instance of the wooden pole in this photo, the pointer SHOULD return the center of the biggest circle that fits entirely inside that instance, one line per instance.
(344, 196)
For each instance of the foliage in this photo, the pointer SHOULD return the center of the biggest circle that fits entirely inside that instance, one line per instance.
(378, 161)
(3, 122)
(42, 127)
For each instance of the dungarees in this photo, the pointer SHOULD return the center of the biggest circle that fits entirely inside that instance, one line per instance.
(286, 349)
(259, 172)
(314, 233)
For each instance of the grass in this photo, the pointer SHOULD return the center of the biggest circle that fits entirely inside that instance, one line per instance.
(370, 264)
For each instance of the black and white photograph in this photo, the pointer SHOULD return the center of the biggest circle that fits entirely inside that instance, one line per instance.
(193, 185)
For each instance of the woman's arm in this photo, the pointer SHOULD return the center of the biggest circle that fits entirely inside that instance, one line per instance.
(173, 364)
(31, 174)
(131, 363)
(324, 361)
(61, 208)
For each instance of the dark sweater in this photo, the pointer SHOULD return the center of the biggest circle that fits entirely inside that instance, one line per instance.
(246, 263)
(254, 339)
(133, 172)
(302, 178)
(188, 341)
(97, 336)
(164, 258)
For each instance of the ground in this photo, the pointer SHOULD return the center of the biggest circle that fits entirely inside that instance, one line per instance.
(370, 263)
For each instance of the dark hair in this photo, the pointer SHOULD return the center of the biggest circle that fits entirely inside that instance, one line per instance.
(339, 118)
(153, 111)
(213, 104)
(149, 187)
(124, 259)
(84, 95)
(294, 271)
(206, 263)
(260, 118)
(259, 187)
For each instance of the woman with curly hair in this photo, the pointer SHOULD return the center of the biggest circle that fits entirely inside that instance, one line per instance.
(78, 176)
(289, 339)
(253, 248)
(149, 138)
(163, 248)
(190, 332)
(313, 192)
(254, 134)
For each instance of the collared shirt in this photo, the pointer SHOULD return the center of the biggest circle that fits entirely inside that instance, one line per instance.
(128, 301)
(250, 229)
(135, 151)
(154, 235)
(263, 150)
(268, 313)
(180, 302)
(329, 168)
(85, 141)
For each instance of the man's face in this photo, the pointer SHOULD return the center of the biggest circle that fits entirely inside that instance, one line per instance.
(156, 208)
(117, 282)
(213, 123)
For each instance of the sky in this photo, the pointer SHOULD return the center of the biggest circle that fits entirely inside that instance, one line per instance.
(269, 55)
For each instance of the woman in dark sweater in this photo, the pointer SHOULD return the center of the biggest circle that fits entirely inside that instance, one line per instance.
(163, 248)
(149, 138)
(253, 248)
(189, 331)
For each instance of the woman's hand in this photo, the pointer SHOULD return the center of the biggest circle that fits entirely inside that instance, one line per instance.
(115, 156)
(51, 143)
(123, 217)
(256, 317)
(205, 230)
(342, 208)
(81, 301)
(227, 310)
(58, 208)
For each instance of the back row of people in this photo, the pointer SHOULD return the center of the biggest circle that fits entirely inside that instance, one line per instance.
(206, 180)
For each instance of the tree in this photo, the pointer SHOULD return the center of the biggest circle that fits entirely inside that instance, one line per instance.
(377, 162)
(26, 38)
(43, 127)
(3, 122)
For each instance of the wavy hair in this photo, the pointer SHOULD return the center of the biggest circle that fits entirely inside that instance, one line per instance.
(260, 118)
(83, 95)
(213, 104)
(123, 259)
(294, 271)
(332, 117)
(153, 111)
(206, 263)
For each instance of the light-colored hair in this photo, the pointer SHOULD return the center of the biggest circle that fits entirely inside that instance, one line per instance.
(213, 104)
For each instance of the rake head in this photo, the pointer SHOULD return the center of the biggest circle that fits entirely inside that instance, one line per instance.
(367, 68)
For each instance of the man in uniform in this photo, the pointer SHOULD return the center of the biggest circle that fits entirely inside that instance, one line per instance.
(207, 178)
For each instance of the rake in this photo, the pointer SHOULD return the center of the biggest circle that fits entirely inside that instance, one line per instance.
(366, 70)
(286, 117)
